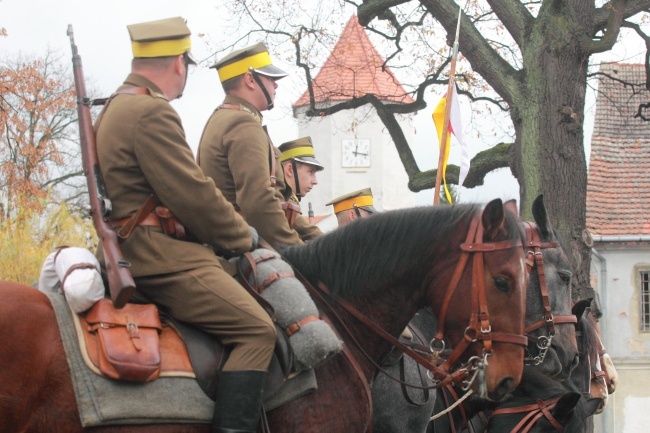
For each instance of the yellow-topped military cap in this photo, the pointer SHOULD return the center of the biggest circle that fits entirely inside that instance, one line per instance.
(161, 38)
(361, 198)
(239, 62)
(302, 150)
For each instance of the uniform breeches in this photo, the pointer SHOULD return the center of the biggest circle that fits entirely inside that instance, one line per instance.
(212, 300)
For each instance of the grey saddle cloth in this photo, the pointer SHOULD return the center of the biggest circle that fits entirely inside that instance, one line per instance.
(104, 401)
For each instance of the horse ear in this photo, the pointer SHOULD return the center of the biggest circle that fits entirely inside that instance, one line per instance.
(511, 206)
(563, 409)
(541, 217)
(592, 405)
(579, 307)
(493, 220)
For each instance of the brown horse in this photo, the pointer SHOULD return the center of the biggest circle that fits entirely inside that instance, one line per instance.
(387, 267)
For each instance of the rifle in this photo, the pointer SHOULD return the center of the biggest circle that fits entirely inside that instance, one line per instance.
(120, 281)
(311, 214)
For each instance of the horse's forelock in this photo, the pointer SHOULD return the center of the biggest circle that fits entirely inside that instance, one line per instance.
(370, 251)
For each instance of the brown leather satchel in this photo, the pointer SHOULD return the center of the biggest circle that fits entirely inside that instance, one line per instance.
(129, 347)
(291, 212)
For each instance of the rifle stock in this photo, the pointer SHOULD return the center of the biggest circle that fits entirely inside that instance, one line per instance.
(120, 281)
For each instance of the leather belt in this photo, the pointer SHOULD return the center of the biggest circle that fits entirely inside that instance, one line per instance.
(150, 220)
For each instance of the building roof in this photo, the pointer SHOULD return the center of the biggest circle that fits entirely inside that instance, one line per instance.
(618, 187)
(353, 69)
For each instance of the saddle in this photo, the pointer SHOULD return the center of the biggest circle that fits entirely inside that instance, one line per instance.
(180, 350)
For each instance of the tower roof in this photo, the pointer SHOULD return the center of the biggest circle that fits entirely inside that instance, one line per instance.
(353, 69)
(618, 188)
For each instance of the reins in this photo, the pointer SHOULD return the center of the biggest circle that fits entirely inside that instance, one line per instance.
(534, 412)
(534, 259)
(478, 329)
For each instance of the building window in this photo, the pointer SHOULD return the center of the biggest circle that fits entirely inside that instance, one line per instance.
(645, 301)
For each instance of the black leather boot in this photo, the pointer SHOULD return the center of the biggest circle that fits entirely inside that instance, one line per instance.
(238, 402)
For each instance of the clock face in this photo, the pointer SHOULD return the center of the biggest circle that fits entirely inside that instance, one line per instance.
(355, 153)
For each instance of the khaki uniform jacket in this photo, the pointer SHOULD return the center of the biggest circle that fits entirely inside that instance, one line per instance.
(234, 151)
(142, 149)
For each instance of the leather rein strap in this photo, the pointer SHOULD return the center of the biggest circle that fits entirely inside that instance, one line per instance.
(534, 413)
(534, 258)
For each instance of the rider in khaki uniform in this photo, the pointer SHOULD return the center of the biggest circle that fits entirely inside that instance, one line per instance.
(353, 205)
(142, 151)
(299, 166)
(237, 153)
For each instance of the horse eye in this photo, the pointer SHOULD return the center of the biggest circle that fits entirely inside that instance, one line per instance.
(565, 276)
(501, 284)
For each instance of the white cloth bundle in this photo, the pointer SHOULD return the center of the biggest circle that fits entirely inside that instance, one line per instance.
(83, 286)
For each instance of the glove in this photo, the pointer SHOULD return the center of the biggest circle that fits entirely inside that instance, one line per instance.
(256, 238)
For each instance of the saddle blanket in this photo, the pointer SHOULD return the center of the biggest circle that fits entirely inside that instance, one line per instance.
(103, 401)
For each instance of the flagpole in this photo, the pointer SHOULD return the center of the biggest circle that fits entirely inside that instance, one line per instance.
(445, 125)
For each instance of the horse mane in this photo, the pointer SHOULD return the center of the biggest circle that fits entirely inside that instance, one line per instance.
(369, 252)
(590, 333)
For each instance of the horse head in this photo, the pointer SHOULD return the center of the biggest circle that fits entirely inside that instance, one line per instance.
(606, 364)
(549, 321)
(588, 376)
(491, 293)
(541, 405)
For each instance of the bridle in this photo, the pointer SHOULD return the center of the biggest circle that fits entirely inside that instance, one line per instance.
(479, 328)
(533, 413)
(534, 259)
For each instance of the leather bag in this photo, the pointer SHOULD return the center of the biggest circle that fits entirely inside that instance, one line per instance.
(129, 346)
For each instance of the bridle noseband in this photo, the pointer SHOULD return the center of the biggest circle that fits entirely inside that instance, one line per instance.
(534, 258)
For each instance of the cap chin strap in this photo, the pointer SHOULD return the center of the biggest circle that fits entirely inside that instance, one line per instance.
(295, 178)
(258, 80)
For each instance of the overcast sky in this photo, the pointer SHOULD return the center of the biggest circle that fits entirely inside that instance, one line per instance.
(34, 26)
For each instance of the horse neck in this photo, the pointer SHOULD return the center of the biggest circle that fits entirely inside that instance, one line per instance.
(389, 309)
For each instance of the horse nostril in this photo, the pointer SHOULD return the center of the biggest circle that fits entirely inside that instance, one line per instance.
(505, 386)
(576, 360)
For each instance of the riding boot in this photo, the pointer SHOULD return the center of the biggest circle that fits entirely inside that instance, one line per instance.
(238, 403)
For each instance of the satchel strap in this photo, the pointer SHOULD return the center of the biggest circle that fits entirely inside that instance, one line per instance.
(83, 265)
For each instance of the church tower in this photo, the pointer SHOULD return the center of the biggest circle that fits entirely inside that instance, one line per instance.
(353, 145)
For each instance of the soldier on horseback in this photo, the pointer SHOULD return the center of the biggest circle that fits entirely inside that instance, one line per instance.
(145, 159)
(299, 166)
(353, 205)
(236, 151)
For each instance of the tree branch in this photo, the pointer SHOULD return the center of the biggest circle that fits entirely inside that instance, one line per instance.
(611, 29)
(482, 164)
(371, 9)
(514, 16)
(494, 69)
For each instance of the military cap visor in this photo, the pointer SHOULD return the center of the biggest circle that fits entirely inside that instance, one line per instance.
(161, 38)
(256, 58)
(300, 150)
(361, 199)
